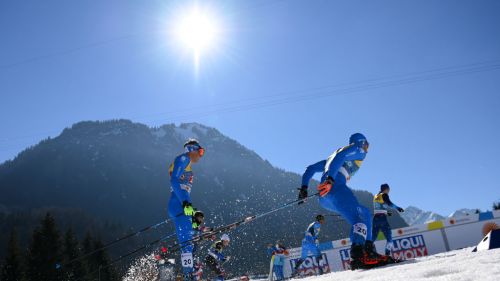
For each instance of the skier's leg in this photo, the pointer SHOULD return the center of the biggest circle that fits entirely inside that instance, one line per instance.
(317, 254)
(183, 228)
(305, 252)
(342, 200)
(220, 273)
(279, 272)
(388, 235)
(376, 228)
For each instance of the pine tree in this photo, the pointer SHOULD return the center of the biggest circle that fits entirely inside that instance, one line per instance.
(98, 264)
(496, 206)
(12, 268)
(76, 269)
(101, 258)
(44, 252)
(87, 247)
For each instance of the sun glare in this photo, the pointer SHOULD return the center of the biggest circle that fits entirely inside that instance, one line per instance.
(196, 30)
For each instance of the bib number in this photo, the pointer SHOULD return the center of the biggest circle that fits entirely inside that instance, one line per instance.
(187, 259)
(360, 229)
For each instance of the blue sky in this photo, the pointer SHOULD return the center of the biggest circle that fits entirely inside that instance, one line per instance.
(291, 80)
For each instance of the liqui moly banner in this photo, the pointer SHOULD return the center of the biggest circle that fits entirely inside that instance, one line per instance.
(312, 265)
(345, 258)
(409, 247)
(411, 242)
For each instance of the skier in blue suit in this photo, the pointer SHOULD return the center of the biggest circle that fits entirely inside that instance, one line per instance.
(310, 243)
(278, 254)
(381, 203)
(337, 197)
(216, 258)
(180, 206)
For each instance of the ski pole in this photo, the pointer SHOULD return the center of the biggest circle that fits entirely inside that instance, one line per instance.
(141, 248)
(240, 222)
(153, 226)
(208, 234)
(129, 254)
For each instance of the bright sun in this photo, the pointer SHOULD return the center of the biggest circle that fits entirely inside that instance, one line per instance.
(197, 30)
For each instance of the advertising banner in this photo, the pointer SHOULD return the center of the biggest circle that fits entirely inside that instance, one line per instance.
(467, 235)
(311, 265)
(408, 242)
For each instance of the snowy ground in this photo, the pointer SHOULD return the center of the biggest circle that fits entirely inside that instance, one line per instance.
(460, 265)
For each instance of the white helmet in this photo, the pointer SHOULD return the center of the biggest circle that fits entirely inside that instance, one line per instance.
(225, 237)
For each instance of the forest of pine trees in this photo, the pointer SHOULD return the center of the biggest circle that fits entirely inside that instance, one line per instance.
(49, 248)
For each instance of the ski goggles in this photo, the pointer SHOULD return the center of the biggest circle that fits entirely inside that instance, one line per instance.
(193, 147)
(364, 144)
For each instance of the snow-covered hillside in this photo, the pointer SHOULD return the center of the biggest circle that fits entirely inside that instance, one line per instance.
(414, 216)
(457, 265)
(462, 213)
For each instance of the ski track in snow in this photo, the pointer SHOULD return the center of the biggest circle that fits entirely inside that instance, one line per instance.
(459, 265)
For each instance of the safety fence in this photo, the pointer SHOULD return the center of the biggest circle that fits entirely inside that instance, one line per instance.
(408, 243)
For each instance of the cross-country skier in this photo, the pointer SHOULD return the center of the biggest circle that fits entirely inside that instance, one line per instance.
(198, 224)
(198, 270)
(310, 243)
(278, 252)
(337, 197)
(215, 258)
(180, 207)
(381, 203)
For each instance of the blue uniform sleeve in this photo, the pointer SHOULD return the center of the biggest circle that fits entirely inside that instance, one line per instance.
(317, 228)
(389, 202)
(180, 164)
(350, 153)
(220, 256)
(311, 170)
(270, 251)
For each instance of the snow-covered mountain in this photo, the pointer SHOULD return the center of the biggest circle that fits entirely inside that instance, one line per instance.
(413, 215)
(463, 212)
(117, 171)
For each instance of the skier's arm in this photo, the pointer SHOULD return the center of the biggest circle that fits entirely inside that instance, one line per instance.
(389, 202)
(350, 153)
(270, 251)
(180, 164)
(311, 170)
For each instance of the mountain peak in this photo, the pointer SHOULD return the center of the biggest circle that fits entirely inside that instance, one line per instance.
(413, 215)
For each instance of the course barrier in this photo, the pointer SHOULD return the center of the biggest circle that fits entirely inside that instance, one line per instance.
(408, 243)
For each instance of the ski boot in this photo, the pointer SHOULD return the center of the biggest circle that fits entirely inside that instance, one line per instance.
(357, 253)
(295, 272)
(367, 257)
(374, 258)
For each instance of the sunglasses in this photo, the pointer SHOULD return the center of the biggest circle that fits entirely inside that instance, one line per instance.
(201, 151)
(365, 144)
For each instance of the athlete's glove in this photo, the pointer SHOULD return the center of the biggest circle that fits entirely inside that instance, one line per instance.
(188, 208)
(325, 186)
(401, 210)
(302, 193)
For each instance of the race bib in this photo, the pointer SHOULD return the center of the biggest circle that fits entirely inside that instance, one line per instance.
(187, 259)
(360, 229)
